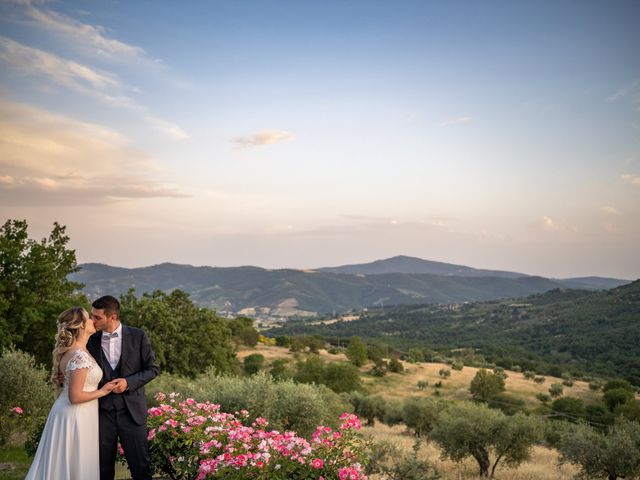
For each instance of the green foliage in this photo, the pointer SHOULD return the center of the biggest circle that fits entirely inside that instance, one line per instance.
(474, 430)
(610, 455)
(34, 287)
(420, 414)
(338, 376)
(22, 384)
(595, 385)
(380, 368)
(287, 405)
(539, 379)
(395, 365)
(369, 407)
(444, 373)
(629, 410)
(280, 369)
(529, 375)
(341, 377)
(509, 404)
(617, 396)
(415, 355)
(617, 383)
(393, 414)
(186, 339)
(556, 390)
(568, 408)
(357, 351)
(486, 385)
(457, 366)
(543, 397)
(243, 331)
(422, 384)
(593, 332)
(253, 363)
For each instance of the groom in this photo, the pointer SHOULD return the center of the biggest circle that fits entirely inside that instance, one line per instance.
(124, 354)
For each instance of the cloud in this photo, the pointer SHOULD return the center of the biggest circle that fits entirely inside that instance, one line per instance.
(50, 159)
(611, 211)
(264, 137)
(630, 93)
(455, 121)
(83, 35)
(632, 179)
(104, 87)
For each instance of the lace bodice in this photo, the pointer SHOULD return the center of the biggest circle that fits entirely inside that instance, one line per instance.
(82, 359)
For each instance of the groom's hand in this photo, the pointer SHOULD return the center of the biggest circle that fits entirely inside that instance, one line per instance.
(121, 385)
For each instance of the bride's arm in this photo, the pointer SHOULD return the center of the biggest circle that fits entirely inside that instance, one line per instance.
(76, 385)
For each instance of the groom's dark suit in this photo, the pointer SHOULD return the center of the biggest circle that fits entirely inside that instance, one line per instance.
(124, 415)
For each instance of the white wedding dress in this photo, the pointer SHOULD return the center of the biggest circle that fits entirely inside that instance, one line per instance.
(69, 446)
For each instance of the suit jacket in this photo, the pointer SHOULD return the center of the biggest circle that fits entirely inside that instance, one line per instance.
(137, 366)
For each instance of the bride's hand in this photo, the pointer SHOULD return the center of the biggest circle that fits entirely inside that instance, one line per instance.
(108, 387)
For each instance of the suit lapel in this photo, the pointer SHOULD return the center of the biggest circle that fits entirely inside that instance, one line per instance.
(124, 348)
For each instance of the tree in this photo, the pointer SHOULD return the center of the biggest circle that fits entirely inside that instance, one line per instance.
(474, 430)
(617, 396)
(568, 408)
(243, 331)
(35, 287)
(253, 363)
(186, 338)
(486, 385)
(555, 390)
(614, 454)
(279, 369)
(341, 377)
(357, 351)
(421, 414)
(368, 407)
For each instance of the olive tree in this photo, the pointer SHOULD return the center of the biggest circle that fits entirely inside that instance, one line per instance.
(486, 385)
(611, 455)
(474, 430)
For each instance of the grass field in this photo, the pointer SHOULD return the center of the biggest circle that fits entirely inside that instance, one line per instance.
(456, 387)
(543, 464)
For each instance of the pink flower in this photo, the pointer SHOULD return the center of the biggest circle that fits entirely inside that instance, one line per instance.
(17, 410)
(317, 463)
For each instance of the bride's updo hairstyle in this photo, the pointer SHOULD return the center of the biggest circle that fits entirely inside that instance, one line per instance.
(70, 324)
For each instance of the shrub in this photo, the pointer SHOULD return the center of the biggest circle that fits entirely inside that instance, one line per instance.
(357, 351)
(568, 408)
(543, 397)
(393, 414)
(618, 383)
(617, 396)
(555, 390)
(392, 464)
(287, 405)
(23, 384)
(444, 373)
(341, 377)
(395, 365)
(280, 369)
(539, 379)
(369, 407)
(458, 366)
(529, 375)
(197, 440)
(595, 385)
(253, 363)
(422, 384)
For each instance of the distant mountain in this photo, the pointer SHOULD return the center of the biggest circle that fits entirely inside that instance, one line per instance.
(286, 292)
(404, 264)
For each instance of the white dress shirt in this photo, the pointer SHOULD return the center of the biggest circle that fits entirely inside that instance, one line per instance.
(112, 345)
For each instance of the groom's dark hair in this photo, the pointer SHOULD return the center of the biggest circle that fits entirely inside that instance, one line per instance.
(109, 304)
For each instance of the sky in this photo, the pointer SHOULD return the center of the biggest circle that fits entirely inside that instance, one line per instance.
(497, 134)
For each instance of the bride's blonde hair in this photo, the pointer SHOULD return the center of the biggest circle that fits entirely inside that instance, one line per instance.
(70, 325)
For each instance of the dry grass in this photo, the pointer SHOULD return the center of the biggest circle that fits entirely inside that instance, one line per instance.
(456, 387)
(543, 464)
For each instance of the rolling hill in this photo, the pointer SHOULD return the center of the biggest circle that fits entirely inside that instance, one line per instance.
(287, 292)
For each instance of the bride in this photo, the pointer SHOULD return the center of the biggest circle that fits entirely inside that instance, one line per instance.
(68, 447)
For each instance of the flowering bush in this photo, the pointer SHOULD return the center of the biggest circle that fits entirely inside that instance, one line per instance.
(191, 440)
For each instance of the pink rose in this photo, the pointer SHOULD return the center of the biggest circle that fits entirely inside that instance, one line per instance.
(17, 410)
